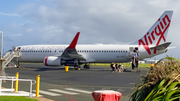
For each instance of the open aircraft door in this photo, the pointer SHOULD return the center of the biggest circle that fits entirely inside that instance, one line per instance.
(130, 52)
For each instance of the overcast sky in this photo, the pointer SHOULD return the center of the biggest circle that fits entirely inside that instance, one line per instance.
(29, 22)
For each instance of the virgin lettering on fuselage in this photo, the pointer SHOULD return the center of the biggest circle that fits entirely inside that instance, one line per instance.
(43, 48)
(151, 44)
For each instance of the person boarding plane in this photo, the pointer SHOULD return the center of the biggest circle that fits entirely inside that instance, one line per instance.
(151, 44)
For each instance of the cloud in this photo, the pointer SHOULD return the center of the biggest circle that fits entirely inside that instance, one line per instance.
(117, 18)
(99, 21)
(16, 35)
(29, 30)
(9, 14)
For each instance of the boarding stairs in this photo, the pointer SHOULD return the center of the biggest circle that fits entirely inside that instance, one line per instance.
(9, 56)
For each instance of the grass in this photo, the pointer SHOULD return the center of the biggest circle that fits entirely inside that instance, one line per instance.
(106, 64)
(16, 98)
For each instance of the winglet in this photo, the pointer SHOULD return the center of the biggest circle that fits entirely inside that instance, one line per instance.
(74, 42)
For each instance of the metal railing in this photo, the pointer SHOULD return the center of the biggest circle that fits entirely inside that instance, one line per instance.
(9, 56)
(12, 79)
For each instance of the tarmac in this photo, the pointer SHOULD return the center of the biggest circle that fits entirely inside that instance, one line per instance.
(97, 79)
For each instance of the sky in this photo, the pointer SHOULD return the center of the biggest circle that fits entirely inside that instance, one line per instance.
(32, 22)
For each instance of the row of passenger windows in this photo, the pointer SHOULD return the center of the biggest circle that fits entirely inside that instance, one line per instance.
(101, 51)
(87, 51)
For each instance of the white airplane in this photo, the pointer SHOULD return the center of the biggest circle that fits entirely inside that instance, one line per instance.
(151, 44)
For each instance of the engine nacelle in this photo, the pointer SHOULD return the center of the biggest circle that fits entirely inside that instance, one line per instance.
(52, 61)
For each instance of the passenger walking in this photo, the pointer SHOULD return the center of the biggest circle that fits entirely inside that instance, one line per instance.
(112, 67)
(119, 67)
(133, 62)
(136, 58)
(116, 67)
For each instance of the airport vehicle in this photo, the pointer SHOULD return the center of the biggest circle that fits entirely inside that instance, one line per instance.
(151, 44)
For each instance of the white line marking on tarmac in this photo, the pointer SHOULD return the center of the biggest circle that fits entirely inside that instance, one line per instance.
(77, 90)
(47, 93)
(61, 91)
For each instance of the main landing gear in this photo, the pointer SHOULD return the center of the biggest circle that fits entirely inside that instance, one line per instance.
(77, 66)
(17, 65)
(86, 66)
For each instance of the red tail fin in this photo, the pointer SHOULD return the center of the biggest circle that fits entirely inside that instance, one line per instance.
(74, 42)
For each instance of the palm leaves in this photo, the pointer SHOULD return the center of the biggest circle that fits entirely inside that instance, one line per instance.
(162, 83)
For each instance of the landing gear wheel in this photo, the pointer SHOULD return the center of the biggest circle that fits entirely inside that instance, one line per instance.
(77, 67)
(86, 66)
(18, 66)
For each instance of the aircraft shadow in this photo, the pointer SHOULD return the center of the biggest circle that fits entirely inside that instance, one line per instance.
(51, 69)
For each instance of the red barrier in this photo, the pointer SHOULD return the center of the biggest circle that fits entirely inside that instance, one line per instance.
(106, 95)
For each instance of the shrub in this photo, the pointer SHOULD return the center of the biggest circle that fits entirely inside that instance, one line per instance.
(157, 83)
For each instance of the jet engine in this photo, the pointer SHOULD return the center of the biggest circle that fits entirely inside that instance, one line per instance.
(52, 61)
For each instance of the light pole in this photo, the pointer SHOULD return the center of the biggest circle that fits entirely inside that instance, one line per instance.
(1, 44)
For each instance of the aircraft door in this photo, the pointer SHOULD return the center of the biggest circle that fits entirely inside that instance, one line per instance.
(129, 54)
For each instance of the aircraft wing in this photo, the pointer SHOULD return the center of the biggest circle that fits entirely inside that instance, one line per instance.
(161, 46)
(70, 52)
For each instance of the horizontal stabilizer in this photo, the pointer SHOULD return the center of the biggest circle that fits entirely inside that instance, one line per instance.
(161, 46)
(171, 47)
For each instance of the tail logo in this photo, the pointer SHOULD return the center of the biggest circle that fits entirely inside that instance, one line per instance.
(158, 32)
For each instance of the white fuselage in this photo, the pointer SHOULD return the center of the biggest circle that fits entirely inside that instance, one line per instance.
(151, 44)
(92, 53)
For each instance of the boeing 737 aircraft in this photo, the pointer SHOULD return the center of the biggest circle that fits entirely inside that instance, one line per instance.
(151, 44)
